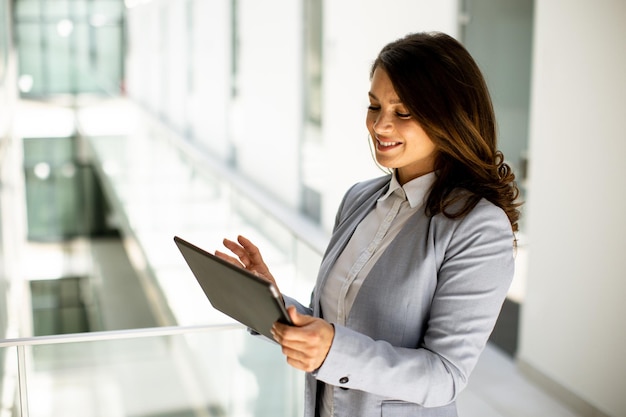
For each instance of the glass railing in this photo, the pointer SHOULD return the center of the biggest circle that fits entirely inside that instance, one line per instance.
(160, 186)
(198, 362)
(182, 371)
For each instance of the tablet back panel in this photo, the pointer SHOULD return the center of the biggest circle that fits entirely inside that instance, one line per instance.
(234, 291)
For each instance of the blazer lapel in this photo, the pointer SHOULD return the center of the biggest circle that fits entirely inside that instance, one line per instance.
(357, 205)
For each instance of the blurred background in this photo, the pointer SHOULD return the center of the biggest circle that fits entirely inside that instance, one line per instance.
(124, 123)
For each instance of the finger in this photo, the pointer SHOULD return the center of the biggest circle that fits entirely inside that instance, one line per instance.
(291, 336)
(293, 315)
(303, 366)
(298, 320)
(240, 251)
(314, 337)
(302, 360)
(234, 247)
(252, 251)
(247, 244)
(229, 258)
(306, 354)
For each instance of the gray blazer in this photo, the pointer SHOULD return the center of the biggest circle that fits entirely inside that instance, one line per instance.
(423, 314)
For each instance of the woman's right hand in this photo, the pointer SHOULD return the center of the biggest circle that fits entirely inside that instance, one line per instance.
(247, 256)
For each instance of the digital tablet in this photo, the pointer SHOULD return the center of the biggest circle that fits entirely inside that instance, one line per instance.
(234, 291)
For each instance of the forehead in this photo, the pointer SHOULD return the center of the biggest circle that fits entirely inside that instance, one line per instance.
(382, 88)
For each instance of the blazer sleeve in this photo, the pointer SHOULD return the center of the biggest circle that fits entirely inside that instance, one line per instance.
(299, 307)
(476, 270)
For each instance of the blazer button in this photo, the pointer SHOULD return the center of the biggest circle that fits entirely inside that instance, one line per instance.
(344, 380)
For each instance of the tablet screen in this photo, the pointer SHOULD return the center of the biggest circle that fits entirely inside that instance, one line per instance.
(234, 291)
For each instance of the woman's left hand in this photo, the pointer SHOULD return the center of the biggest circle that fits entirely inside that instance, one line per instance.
(307, 342)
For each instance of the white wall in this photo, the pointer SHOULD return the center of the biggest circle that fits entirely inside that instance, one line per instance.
(267, 115)
(209, 97)
(573, 329)
(178, 66)
(143, 78)
(175, 47)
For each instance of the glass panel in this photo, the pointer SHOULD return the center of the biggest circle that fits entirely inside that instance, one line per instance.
(4, 281)
(53, 204)
(85, 77)
(234, 46)
(219, 373)
(107, 57)
(55, 151)
(58, 56)
(499, 36)
(9, 395)
(161, 194)
(57, 9)
(313, 61)
(80, 10)
(27, 9)
(157, 191)
(72, 47)
(4, 42)
(53, 194)
(32, 77)
(111, 8)
(59, 306)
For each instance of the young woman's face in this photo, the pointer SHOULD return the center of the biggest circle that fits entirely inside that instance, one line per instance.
(399, 140)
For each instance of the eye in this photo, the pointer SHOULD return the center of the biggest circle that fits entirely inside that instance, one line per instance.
(372, 107)
(403, 115)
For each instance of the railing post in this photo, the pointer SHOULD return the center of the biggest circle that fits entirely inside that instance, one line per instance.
(21, 378)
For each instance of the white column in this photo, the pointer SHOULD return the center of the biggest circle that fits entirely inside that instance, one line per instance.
(572, 330)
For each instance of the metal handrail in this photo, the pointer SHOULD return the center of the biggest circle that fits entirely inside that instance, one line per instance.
(115, 335)
(21, 343)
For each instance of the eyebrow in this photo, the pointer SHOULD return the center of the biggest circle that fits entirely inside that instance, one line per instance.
(397, 101)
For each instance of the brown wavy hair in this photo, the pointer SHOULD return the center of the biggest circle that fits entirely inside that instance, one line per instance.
(444, 90)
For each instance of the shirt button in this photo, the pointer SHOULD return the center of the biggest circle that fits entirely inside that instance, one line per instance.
(344, 380)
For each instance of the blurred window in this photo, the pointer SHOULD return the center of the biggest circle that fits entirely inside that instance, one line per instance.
(498, 33)
(69, 47)
(313, 54)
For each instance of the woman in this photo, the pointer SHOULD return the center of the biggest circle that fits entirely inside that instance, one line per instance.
(420, 261)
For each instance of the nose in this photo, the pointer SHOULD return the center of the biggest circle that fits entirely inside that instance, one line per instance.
(382, 123)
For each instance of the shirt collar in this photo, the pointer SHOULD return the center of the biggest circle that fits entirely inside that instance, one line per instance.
(415, 191)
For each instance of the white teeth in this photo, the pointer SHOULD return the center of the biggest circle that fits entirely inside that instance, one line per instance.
(387, 143)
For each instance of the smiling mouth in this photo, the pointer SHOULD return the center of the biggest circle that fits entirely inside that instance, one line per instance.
(383, 144)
